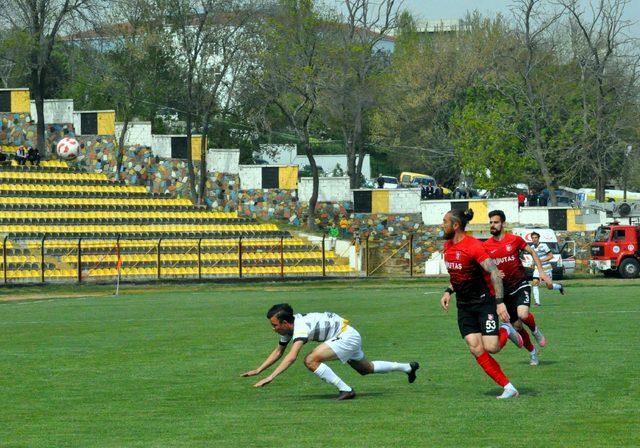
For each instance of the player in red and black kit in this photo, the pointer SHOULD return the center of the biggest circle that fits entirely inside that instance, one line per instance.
(505, 250)
(476, 281)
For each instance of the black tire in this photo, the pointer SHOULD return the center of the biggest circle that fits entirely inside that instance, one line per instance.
(610, 273)
(629, 268)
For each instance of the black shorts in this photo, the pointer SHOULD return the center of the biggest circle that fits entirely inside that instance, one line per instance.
(520, 297)
(480, 318)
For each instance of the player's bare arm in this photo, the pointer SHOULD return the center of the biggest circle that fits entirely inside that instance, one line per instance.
(547, 257)
(543, 276)
(273, 357)
(490, 266)
(289, 359)
(446, 298)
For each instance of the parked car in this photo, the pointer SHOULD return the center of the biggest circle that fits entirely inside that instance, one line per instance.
(408, 179)
(563, 253)
(388, 182)
(368, 183)
(565, 201)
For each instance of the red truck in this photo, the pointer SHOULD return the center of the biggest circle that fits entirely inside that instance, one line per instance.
(616, 250)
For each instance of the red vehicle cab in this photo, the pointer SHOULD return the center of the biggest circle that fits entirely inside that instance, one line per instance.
(615, 250)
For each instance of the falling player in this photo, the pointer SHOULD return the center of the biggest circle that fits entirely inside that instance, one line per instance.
(338, 340)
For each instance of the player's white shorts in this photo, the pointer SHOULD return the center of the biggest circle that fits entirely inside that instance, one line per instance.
(347, 345)
(549, 272)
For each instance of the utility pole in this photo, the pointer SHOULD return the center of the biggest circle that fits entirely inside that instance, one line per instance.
(626, 170)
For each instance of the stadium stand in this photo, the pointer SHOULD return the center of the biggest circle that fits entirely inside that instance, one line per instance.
(58, 223)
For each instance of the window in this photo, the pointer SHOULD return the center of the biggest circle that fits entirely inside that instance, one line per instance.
(619, 235)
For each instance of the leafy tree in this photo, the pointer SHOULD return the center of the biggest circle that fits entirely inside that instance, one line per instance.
(609, 63)
(431, 73)
(288, 72)
(358, 58)
(487, 146)
(42, 21)
(13, 57)
(136, 62)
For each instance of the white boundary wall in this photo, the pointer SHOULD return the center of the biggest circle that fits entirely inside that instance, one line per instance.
(55, 112)
(278, 154)
(220, 160)
(534, 215)
(161, 145)
(138, 133)
(404, 200)
(330, 189)
(433, 210)
(250, 177)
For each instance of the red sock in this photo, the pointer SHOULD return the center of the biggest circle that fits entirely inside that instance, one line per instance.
(530, 322)
(503, 335)
(492, 368)
(526, 339)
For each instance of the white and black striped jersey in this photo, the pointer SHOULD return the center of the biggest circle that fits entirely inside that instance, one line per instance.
(542, 250)
(315, 327)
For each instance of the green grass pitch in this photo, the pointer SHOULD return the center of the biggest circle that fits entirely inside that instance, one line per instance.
(159, 366)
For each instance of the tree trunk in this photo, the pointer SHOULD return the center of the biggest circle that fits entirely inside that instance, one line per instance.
(356, 145)
(361, 153)
(37, 82)
(190, 169)
(313, 200)
(120, 153)
(542, 164)
(599, 190)
(351, 163)
(203, 161)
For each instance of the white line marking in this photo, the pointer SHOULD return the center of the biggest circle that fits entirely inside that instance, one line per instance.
(602, 312)
(431, 292)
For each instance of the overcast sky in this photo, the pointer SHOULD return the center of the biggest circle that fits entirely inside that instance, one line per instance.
(456, 9)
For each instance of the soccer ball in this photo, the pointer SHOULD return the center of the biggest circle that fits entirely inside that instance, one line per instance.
(67, 148)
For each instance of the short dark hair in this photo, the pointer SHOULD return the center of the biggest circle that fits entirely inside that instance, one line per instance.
(499, 213)
(462, 217)
(535, 233)
(282, 311)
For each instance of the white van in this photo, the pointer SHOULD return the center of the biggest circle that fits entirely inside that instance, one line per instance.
(561, 266)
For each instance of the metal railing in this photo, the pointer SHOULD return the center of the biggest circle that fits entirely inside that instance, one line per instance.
(94, 260)
(389, 262)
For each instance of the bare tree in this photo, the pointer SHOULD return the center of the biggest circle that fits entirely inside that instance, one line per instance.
(132, 34)
(288, 70)
(361, 34)
(528, 90)
(43, 21)
(217, 71)
(189, 24)
(608, 62)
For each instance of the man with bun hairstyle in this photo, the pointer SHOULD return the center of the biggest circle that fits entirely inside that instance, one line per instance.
(476, 281)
